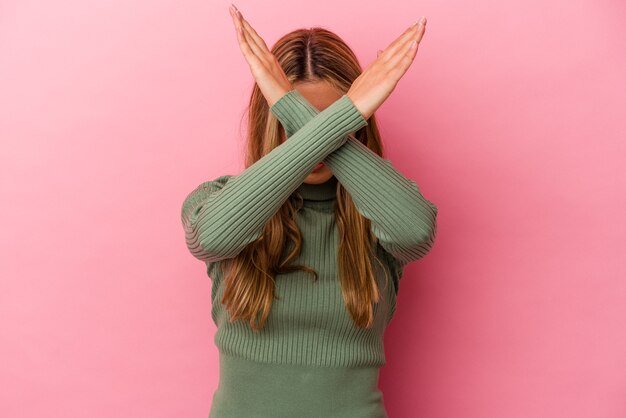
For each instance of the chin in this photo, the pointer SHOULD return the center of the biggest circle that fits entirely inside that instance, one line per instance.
(319, 177)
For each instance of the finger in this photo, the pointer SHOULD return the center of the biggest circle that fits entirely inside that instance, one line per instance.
(420, 31)
(404, 49)
(257, 46)
(393, 47)
(260, 44)
(405, 39)
(235, 19)
(247, 51)
(403, 63)
(400, 48)
(255, 37)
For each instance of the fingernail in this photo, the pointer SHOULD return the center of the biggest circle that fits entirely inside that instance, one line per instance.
(421, 21)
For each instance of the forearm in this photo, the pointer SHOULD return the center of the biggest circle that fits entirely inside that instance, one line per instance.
(402, 218)
(221, 219)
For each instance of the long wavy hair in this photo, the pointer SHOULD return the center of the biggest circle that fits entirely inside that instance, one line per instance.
(306, 55)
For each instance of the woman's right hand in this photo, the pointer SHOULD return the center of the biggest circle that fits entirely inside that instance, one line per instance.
(376, 83)
(265, 68)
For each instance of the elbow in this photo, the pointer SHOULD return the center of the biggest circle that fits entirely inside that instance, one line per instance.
(422, 237)
(413, 239)
(203, 235)
(429, 227)
(209, 250)
(421, 241)
(205, 243)
(201, 249)
(423, 228)
(214, 242)
(428, 239)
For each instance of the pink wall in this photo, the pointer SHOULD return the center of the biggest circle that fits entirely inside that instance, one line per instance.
(511, 120)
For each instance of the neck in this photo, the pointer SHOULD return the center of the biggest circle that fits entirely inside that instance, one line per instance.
(319, 192)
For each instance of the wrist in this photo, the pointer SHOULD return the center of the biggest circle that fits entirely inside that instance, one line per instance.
(279, 94)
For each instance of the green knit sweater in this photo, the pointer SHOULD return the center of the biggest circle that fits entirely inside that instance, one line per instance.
(309, 323)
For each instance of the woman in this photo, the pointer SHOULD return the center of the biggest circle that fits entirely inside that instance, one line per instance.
(307, 245)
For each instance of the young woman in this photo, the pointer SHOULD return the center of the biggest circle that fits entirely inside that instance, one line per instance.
(306, 246)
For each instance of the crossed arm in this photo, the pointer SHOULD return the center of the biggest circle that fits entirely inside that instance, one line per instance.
(404, 221)
(222, 216)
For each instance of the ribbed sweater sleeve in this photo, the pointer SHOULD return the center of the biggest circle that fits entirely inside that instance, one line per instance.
(221, 217)
(404, 221)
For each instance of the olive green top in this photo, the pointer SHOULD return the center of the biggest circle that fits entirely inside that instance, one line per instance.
(309, 324)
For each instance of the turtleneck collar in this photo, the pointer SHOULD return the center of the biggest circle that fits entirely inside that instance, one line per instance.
(319, 192)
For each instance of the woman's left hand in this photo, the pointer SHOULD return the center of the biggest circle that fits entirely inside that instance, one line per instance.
(265, 68)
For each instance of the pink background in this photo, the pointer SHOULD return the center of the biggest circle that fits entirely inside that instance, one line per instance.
(511, 120)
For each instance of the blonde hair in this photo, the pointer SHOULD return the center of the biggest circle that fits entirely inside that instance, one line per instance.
(306, 55)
